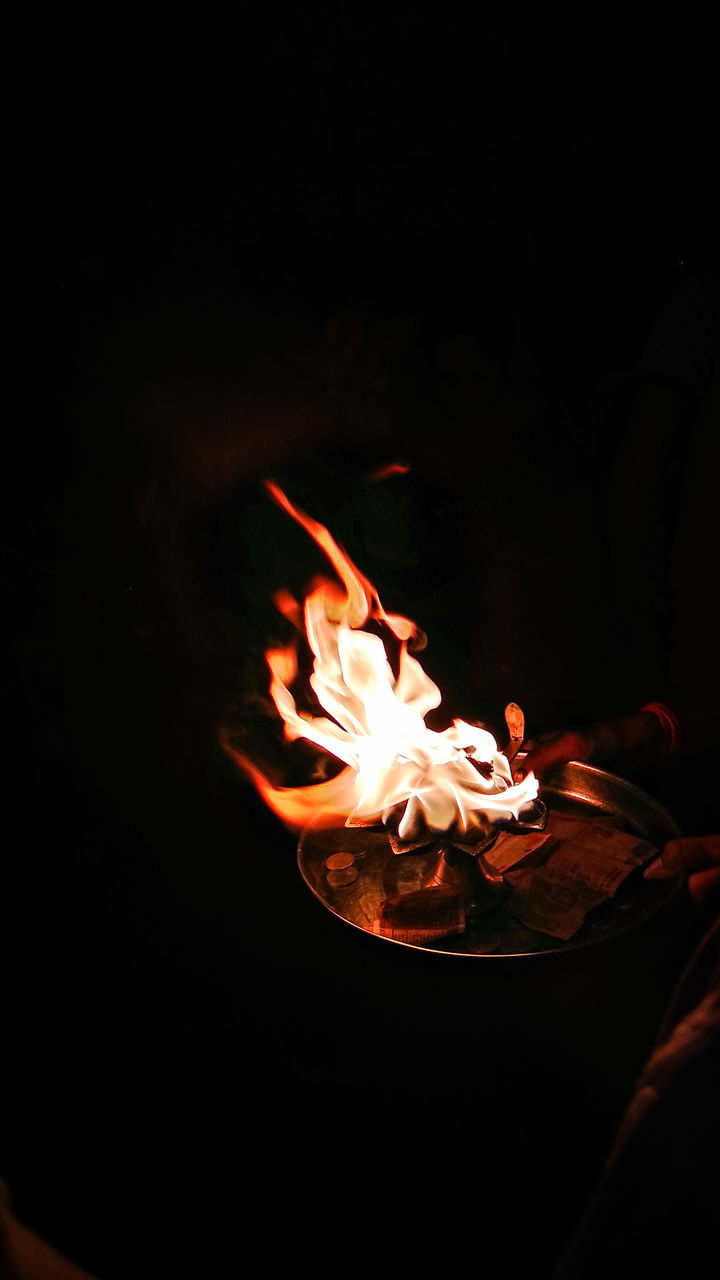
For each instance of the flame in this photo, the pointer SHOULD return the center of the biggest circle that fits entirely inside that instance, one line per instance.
(375, 721)
(389, 470)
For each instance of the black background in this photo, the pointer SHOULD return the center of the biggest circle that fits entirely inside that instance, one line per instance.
(197, 1060)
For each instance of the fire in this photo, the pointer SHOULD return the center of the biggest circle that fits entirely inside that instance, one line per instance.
(375, 722)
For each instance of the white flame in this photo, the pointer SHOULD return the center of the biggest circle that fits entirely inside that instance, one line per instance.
(375, 723)
(378, 729)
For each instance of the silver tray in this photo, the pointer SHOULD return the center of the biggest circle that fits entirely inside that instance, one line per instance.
(572, 789)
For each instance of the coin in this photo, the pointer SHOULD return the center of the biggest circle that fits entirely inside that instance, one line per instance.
(339, 861)
(340, 879)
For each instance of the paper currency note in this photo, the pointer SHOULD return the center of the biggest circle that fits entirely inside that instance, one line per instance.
(585, 865)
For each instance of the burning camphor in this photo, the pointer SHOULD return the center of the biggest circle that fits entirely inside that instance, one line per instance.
(396, 768)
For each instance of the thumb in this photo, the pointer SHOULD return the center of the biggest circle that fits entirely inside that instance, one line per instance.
(542, 755)
(690, 853)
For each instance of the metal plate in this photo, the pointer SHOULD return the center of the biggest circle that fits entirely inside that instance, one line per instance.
(352, 870)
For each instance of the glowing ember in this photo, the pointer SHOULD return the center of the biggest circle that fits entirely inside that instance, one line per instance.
(375, 722)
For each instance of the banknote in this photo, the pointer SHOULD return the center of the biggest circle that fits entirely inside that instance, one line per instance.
(421, 916)
(586, 863)
(510, 849)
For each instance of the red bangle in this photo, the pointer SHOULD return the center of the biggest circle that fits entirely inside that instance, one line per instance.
(668, 723)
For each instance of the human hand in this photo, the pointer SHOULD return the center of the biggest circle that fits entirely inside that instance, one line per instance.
(549, 749)
(698, 857)
(634, 741)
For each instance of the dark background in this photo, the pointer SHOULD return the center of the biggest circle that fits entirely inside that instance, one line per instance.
(304, 242)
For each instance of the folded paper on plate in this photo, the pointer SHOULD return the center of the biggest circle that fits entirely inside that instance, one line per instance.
(510, 849)
(586, 862)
